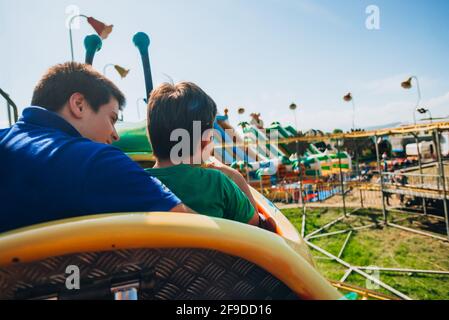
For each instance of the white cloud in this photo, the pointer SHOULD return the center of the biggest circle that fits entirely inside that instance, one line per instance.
(273, 106)
(4, 124)
(440, 105)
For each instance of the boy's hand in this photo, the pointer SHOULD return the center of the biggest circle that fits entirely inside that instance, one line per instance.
(235, 176)
(267, 223)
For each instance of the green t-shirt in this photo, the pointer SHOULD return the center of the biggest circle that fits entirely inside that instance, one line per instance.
(207, 191)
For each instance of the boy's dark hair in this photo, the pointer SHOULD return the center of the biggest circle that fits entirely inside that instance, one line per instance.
(61, 81)
(172, 107)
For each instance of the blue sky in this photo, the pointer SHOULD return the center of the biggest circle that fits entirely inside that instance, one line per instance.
(259, 54)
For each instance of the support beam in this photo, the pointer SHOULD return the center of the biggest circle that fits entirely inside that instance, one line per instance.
(443, 179)
(325, 227)
(342, 184)
(420, 171)
(379, 168)
(344, 244)
(346, 275)
(342, 231)
(417, 232)
(303, 225)
(364, 274)
(405, 270)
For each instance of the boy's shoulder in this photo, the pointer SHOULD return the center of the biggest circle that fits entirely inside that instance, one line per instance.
(212, 172)
(186, 168)
(219, 179)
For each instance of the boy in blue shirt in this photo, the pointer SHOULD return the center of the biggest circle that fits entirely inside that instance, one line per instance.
(57, 162)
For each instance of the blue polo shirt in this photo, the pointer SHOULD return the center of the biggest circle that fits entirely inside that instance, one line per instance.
(48, 171)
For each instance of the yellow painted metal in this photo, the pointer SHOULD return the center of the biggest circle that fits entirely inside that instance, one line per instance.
(141, 156)
(284, 255)
(364, 293)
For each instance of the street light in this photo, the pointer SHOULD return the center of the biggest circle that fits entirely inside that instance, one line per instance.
(100, 28)
(407, 84)
(423, 111)
(138, 105)
(293, 107)
(240, 111)
(348, 98)
(10, 104)
(123, 72)
(339, 145)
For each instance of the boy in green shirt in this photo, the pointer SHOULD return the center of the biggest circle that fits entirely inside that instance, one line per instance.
(187, 112)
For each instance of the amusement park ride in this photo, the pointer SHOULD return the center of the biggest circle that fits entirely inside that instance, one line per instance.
(176, 256)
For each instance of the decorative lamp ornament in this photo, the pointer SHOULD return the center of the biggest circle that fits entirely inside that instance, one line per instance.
(121, 71)
(347, 97)
(407, 84)
(102, 29)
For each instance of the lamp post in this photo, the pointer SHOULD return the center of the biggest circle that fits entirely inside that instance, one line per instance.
(339, 145)
(123, 72)
(377, 141)
(294, 107)
(10, 104)
(407, 84)
(102, 29)
(348, 98)
(138, 106)
(423, 111)
(240, 111)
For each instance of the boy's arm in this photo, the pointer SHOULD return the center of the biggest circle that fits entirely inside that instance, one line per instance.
(182, 208)
(236, 204)
(257, 219)
(239, 180)
(114, 183)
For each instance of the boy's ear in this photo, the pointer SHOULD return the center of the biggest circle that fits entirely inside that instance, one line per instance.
(77, 105)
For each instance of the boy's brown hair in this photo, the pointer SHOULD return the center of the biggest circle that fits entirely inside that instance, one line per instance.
(172, 107)
(61, 81)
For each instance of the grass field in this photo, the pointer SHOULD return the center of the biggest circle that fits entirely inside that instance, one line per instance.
(382, 247)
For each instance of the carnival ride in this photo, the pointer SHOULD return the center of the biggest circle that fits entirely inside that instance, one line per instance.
(159, 255)
(175, 256)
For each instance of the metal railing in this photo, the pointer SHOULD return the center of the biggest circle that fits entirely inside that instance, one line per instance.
(10, 105)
